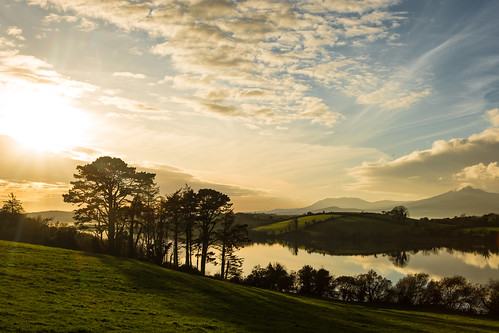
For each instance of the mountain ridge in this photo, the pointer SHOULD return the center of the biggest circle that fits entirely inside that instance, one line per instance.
(466, 200)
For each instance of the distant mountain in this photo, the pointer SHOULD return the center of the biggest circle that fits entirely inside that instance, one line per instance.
(55, 215)
(344, 204)
(467, 201)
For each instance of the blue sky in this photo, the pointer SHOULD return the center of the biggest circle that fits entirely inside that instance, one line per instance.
(276, 103)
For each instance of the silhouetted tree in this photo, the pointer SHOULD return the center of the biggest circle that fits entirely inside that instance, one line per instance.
(490, 297)
(457, 293)
(211, 206)
(273, 277)
(157, 225)
(12, 205)
(346, 287)
(278, 278)
(322, 282)
(373, 287)
(306, 279)
(139, 213)
(230, 236)
(189, 208)
(132, 213)
(400, 213)
(173, 206)
(432, 294)
(257, 277)
(410, 289)
(101, 190)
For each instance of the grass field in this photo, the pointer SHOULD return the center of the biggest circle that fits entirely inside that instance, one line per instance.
(346, 224)
(49, 289)
(303, 221)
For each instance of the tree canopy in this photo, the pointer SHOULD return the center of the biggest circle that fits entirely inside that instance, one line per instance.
(13, 205)
(102, 189)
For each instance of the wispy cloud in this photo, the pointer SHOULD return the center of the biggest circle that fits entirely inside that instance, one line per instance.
(55, 18)
(16, 32)
(128, 104)
(87, 25)
(259, 51)
(129, 75)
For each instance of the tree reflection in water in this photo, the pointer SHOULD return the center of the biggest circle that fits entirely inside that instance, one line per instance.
(399, 259)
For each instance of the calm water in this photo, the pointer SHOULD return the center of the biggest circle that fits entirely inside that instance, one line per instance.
(439, 263)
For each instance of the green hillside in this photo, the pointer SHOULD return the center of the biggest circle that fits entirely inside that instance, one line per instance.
(44, 289)
(345, 224)
(370, 233)
(291, 224)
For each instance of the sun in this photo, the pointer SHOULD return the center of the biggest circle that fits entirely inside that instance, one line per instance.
(43, 120)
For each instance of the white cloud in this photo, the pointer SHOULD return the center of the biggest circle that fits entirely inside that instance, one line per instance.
(130, 75)
(15, 32)
(41, 35)
(128, 104)
(54, 18)
(446, 165)
(87, 25)
(135, 51)
(18, 69)
(391, 96)
(493, 117)
(6, 44)
(166, 79)
(479, 173)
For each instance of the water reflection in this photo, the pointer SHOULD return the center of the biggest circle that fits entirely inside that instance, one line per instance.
(437, 262)
(399, 259)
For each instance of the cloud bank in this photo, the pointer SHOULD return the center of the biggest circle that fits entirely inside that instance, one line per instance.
(446, 165)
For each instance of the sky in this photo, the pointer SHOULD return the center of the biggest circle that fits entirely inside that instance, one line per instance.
(277, 104)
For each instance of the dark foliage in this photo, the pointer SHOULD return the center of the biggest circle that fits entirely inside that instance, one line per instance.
(19, 228)
(451, 293)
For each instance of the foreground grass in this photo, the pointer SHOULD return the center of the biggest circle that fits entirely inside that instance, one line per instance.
(43, 289)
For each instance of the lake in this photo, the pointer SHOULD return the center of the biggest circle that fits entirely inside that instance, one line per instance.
(437, 263)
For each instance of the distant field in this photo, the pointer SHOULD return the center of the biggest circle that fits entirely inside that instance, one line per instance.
(289, 224)
(49, 289)
(346, 223)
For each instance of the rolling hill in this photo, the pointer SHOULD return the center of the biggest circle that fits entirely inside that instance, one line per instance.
(49, 289)
(55, 215)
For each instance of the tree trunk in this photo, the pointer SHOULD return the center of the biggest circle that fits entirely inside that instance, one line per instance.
(222, 270)
(111, 230)
(227, 269)
(131, 249)
(175, 248)
(187, 250)
(188, 245)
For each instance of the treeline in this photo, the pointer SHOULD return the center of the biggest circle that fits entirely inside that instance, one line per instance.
(124, 212)
(487, 220)
(17, 227)
(450, 293)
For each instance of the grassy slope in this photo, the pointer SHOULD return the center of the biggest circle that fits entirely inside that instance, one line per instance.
(350, 224)
(302, 222)
(45, 288)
